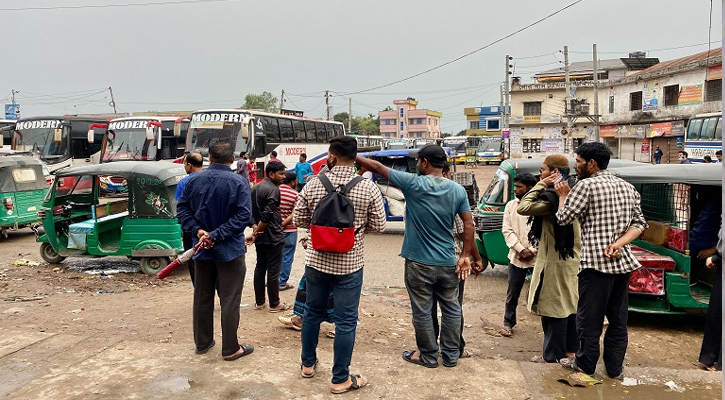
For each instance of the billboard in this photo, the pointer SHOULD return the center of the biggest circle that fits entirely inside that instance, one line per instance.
(12, 111)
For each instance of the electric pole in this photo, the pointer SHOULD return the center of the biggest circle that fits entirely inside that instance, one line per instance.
(506, 108)
(281, 101)
(12, 94)
(327, 103)
(595, 65)
(349, 114)
(113, 102)
(567, 107)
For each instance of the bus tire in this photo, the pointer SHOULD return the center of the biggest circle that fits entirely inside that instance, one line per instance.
(48, 253)
(152, 265)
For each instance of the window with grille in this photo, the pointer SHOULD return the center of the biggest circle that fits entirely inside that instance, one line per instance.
(635, 101)
(671, 95)
(713, 90)
(531, 145)
(473, 124)
(532, 108)
(666, 202)
(611, 104)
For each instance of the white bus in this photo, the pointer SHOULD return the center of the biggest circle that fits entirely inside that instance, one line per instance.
(368, 142)
(704, 136)
(146, 138)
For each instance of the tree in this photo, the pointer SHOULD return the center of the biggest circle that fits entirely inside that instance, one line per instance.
(341, 117)
(265, 101)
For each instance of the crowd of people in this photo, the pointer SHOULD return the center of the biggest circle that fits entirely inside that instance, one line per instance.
(571, 236)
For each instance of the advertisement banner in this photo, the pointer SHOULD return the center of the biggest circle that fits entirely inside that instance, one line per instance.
(551, 145)
(12, 111)
(607, 130)
(645, 146)
(630, 131)
(659, 129)
(714, 72)
(690, 95)
(550, 119)
(516, 119)
(649, 96)
(678, 128)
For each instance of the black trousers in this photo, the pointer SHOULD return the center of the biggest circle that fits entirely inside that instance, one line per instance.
(517, 277)
(560, 337)
(434, 314)
(188, 243)
(266, 273)
(711, 351)
(602, 295)
(230, 278)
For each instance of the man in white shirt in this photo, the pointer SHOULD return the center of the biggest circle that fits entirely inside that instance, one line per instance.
(522, 254)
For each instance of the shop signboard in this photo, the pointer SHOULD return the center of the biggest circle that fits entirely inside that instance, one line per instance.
(607, 130)
(659, 129)
(690, 95)
(645, 146)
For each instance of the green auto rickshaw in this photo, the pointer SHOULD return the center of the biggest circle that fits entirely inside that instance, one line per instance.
(81, 219)
(22, 187)
(489, 214)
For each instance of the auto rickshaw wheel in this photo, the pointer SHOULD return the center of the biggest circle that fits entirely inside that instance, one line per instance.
(152, 265)
(48, 253)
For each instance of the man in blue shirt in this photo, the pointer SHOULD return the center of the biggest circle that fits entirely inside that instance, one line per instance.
(303, 169)
(193, 163)
(215, 207)
(431, 268)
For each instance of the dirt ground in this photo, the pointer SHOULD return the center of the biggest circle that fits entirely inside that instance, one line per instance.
(131, 306)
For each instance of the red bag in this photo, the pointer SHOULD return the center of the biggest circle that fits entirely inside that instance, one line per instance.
(332, 226)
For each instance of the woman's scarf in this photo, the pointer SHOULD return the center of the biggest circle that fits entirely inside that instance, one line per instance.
(563, 234)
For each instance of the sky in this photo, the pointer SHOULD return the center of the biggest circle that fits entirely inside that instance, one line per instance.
(211, 54)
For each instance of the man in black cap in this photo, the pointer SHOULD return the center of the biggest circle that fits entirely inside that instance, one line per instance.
(431, 267)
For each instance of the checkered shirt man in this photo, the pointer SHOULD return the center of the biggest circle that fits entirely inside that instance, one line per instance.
(369, 212)
(606, 206)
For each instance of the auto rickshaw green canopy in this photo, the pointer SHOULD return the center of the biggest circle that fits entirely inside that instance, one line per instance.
(693, 174)
(9, 184)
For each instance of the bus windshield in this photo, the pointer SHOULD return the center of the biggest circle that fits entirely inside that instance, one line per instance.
(41, 142)
(207, 128)
(129, 144)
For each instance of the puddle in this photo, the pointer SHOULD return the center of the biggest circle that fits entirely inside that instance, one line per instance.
(169, 383)
(104, 265)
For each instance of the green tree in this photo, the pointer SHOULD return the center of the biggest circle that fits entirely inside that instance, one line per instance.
(265, 101)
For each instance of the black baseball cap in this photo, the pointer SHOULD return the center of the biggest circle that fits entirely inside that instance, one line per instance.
(434, 154)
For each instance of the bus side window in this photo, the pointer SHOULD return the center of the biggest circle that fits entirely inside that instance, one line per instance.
(271, 129)
(285, 127)
(338, 130)
(311, 131)
(708, 128)
(693, 129)
(718, 130)
(299, 127)
(319, 132)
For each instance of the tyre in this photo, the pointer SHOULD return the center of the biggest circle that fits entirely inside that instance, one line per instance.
(152, 265)
(48, 253)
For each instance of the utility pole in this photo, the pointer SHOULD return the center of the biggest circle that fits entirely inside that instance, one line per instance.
(567, 107)
(506, 107)
(281, 101)
(113, 102)
(12, 94)
(349, 114)
(327, 103)
(595, 65)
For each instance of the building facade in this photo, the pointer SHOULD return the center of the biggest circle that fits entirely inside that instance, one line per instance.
(483, 121)
(407, 121)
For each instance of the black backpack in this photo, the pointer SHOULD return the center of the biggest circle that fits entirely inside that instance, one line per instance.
(332, 227)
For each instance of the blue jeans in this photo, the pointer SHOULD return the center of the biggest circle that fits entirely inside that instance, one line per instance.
(423, 283)
(288, 256)
(346, 290)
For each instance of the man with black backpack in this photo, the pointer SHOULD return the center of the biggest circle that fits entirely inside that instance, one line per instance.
(338, 208)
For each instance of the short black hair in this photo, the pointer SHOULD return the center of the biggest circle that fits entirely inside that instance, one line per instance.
(303, 155)
(344, 147)
(718, 153)
(194, 159)
(289, 177)
(446, 168)
(708, 158)
(242, 153)
(272, 167)
(273, 154)
(596, 151)
(526, 178)
(684, 153)
(221, 152)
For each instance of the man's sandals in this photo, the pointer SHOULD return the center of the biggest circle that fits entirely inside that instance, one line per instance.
(356, 382)
(408, 356)
(244, 349)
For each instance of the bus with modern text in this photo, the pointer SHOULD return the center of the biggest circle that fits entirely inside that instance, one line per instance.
(368, 142)
(704, 136)
(258, 133)
(146, 138)
(61, 141)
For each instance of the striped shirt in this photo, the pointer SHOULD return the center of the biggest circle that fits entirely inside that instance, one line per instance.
(369, 215)
(607, 207)
(287, 200)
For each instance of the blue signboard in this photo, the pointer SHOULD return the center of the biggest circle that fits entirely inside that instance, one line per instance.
(12, 111)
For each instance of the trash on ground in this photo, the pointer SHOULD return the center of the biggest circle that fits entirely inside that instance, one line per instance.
(673, 387)
(580, 379)
(23, 298)
(102, 291)
(492, 331)
(23, 262)
(629, 382)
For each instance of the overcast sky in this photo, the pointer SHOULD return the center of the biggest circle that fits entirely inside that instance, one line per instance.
(192, 56)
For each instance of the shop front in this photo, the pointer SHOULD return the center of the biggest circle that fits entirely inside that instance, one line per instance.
(669, 137)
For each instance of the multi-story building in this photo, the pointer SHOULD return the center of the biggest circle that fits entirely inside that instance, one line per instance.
(406, 120)
(483, 121)
(651, 107)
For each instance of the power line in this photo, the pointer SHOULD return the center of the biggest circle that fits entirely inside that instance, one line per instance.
(650, 50)
(469, 53)
(160, 3)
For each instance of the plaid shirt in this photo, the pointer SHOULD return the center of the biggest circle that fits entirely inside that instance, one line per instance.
(369, 212)
(606, 206)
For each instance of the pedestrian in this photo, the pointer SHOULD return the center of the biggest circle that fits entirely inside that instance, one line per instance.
(273, 157)
(707, 159)
(458, 247)
(193, 163)
(711, 350)
(521, 253)
(287, 200)
(252, 171)
(683, 157)
(553, 292)
(431, 267)
(610, 214)
(215, 207)
(718, 155)
(339, 273)
(303, 169)
(268, 238)
(242, 165)
(658, 155)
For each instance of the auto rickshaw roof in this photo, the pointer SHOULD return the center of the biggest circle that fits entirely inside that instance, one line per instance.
(532, 165)
(413, 153)
(693, 174)
(162, 170)
(18, 161)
